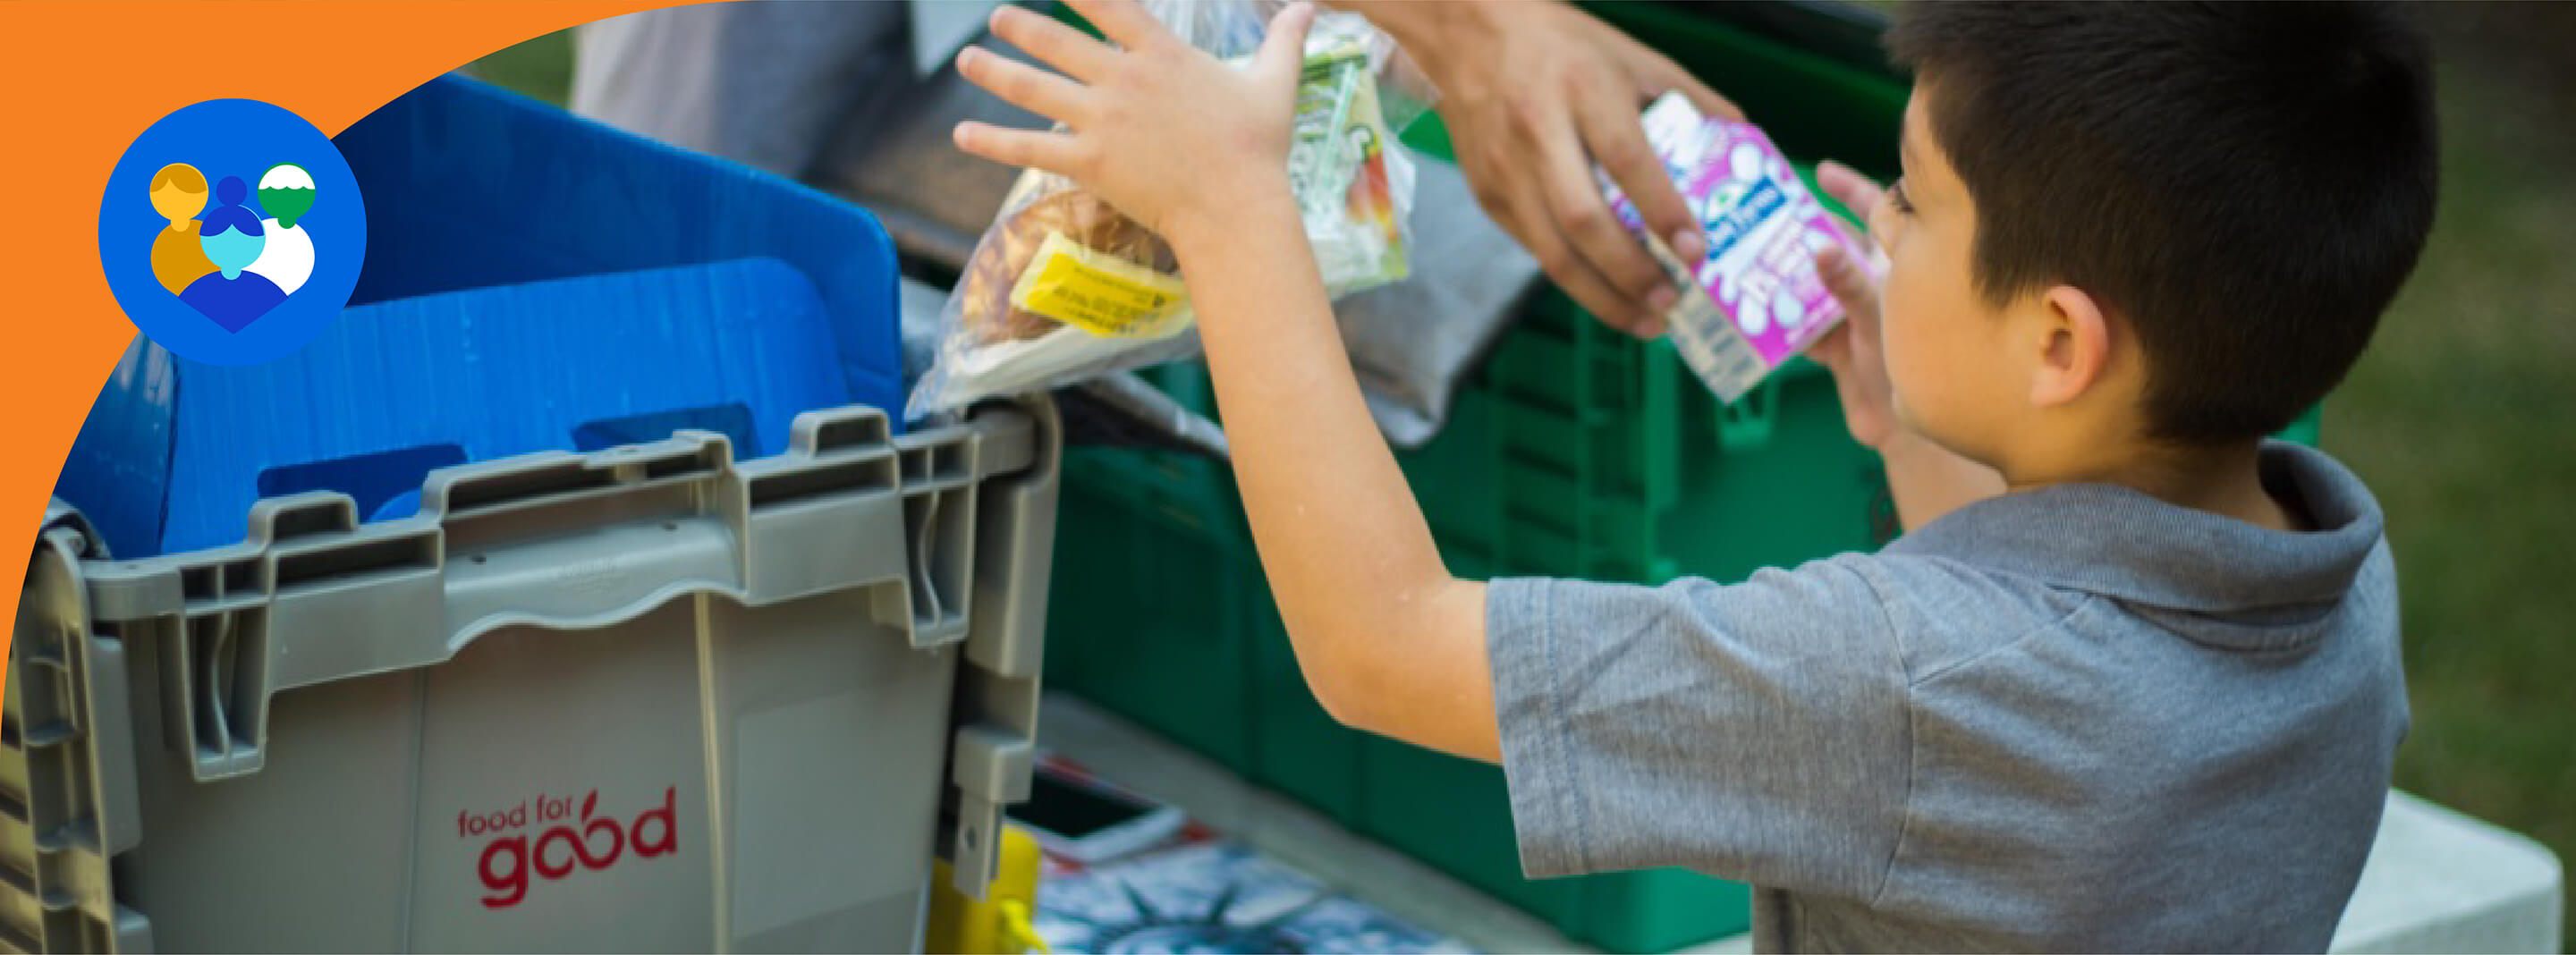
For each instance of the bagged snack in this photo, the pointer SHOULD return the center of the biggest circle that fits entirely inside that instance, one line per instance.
(1064, 287)
(1755, 300)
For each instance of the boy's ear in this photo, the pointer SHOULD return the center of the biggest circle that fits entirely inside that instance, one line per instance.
(2075, 352)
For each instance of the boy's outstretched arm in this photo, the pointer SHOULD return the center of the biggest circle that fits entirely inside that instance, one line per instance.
(1388, 640)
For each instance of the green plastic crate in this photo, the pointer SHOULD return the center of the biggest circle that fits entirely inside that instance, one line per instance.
(1573, 451)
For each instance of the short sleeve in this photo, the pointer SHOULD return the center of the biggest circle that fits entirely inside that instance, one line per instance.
(1755, 731)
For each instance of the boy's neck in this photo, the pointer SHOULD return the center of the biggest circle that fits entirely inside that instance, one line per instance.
(2225, 480)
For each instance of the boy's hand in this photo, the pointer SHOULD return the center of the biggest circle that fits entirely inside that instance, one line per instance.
(1851, 351)
(1925, 479)
(1159, 129)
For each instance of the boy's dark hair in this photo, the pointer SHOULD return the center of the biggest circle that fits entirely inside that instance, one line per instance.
(2247, 184)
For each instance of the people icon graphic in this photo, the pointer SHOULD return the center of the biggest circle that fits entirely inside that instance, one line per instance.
(232, 232)
(285, 193)
(178, 194)
(232, 265)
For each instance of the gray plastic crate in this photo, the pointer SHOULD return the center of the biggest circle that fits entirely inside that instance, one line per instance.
(647, 698)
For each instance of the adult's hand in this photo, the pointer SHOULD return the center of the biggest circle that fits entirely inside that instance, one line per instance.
(1536, 93)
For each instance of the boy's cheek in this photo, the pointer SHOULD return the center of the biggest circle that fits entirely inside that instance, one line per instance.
(1905, 387)
(1895, 356)
(1903, 412)
(1913, 370)
(1901, 377)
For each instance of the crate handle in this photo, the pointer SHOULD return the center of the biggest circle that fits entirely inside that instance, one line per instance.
(376, 479)
(926, 586)
(732, 419)
(80, 806)
(830, 430)
(529, 479)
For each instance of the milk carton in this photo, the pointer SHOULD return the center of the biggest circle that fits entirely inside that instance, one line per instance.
(1755, 300)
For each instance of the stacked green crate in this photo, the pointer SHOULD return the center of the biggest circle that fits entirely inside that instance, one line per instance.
(1573, 451)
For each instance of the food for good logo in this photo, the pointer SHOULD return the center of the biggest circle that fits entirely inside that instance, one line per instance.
(232, 232)
(589, 840)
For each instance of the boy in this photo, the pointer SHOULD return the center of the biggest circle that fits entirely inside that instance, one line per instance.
(2130, 681)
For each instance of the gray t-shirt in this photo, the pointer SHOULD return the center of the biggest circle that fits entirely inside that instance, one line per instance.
(2074, 719)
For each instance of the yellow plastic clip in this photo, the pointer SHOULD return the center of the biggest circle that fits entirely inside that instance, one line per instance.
(1001, 922)
(1016, 925)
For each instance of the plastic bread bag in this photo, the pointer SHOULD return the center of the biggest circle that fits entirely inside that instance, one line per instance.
(1063, 287)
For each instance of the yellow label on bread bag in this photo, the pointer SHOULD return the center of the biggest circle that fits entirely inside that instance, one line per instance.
(1100, 293)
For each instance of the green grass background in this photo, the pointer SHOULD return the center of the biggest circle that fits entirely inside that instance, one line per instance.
(2460, 417)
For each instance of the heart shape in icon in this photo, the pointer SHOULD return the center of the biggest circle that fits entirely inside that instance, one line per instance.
(283, 262)
(233, 302)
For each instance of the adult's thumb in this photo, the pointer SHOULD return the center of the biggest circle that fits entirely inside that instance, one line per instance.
(1283, 52)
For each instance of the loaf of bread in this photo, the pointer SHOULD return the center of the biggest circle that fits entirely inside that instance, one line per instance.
(1007, 250)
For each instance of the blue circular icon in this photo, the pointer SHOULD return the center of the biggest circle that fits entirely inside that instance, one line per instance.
(232, 232)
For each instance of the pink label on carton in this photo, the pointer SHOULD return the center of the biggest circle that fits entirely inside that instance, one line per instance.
(1762, 301)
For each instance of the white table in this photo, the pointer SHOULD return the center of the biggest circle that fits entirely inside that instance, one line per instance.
(2437, 881)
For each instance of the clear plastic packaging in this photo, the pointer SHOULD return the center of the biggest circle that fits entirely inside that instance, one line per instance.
(1064, 287)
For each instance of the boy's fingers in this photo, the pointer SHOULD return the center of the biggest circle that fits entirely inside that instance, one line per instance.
(1052, 42)
(1123, 21)
(1283, 52)
(1832, 347)
(1050, 151)
(1843, 277)
(1024, 86)
(1855, 191)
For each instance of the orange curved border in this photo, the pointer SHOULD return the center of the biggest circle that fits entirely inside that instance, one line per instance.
(80, 80)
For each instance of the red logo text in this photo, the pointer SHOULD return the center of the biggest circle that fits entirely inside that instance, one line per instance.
(584, 841)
